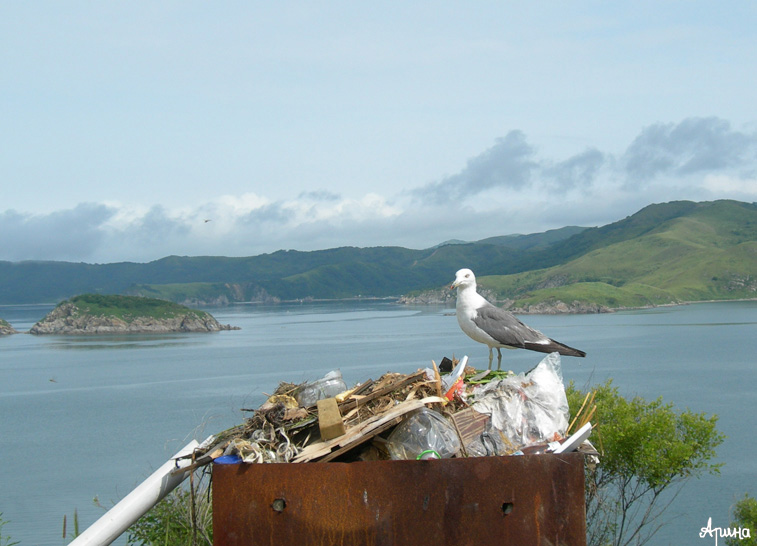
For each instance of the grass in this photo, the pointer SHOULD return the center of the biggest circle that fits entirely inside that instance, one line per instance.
(128, 308)
(695, 258)
(633, 295)
(183, 518)
(4, 539)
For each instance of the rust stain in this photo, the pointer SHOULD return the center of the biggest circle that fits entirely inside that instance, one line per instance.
(468, 501)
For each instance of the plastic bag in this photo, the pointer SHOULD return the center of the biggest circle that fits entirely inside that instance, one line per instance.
(327, 387)
(425, 430)
(528, 408)
(491, 442)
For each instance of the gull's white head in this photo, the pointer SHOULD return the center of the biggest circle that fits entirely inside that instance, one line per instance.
(464, 277)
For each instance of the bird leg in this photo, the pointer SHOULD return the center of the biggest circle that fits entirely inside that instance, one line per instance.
(499, 359)
(490, 358)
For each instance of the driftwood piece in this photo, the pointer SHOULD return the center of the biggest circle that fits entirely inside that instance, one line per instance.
(326, 451)
(364, 387)
(352, 403)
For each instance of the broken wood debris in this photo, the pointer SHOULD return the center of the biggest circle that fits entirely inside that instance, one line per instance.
(356, 423)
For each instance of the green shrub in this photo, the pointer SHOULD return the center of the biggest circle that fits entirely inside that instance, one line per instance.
(745, 516)
(647, 452)
(171, 522)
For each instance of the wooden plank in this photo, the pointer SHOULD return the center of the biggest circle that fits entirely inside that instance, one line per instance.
(363, 432)
(374, 432)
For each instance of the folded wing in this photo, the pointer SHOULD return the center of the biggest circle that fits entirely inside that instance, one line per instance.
(508, 330)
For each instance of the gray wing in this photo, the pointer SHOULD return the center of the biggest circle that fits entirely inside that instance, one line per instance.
(505, 327)
(508, 330)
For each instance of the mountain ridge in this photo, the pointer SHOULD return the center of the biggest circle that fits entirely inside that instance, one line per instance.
(707, 251)
(680, 236)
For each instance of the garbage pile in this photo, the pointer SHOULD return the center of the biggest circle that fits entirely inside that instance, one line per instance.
(441, 412)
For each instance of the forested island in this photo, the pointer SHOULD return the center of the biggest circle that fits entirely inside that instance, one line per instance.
(114, 314)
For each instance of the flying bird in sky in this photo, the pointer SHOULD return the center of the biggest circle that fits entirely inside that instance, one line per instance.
(496, 327)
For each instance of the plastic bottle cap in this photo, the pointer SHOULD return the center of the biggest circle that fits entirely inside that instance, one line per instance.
(228, 459)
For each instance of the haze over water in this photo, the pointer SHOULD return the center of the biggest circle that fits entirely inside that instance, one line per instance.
(93, 416)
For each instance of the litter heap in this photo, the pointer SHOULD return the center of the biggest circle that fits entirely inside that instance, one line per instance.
(449, 411)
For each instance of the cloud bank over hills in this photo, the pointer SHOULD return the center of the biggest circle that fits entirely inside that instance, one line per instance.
(511, 187)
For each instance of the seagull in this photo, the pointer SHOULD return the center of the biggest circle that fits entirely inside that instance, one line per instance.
(495, 327)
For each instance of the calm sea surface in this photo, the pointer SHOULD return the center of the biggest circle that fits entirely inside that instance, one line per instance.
(85, 417)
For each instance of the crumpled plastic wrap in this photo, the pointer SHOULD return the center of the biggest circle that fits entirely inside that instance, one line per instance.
(425, 430)
(526, 408)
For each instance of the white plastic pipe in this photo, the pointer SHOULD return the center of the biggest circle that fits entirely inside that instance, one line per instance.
(134, 505)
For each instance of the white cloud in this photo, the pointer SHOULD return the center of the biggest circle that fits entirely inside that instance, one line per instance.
(241, 204)
(507, 165)
(695, 145)
(70, 234)
(508, 188)
(721, 183)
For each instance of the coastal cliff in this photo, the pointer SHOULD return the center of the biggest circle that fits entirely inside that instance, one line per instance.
(6, 329)
(445, 296)
(94, 314)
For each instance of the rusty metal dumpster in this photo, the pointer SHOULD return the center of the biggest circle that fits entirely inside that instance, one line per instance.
(518, 500)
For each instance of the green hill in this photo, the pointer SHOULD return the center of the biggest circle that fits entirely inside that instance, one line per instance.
(679, 251)
(663, 254)
(534, 241)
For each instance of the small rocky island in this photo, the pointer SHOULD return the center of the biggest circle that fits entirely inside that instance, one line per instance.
(6, 329)
(111, 314)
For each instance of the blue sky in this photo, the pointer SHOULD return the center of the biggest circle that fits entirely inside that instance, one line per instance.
(137, 130)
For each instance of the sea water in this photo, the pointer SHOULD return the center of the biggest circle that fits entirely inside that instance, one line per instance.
(84, 419)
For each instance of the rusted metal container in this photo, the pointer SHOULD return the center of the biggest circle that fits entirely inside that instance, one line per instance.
(521, 500)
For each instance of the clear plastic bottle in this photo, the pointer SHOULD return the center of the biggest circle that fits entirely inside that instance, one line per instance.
(328, 386)
(425, 430)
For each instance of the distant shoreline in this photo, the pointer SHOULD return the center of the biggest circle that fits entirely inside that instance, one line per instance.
(401, 300)
(396, 299)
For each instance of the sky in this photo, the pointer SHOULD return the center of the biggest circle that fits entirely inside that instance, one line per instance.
(137, 130)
